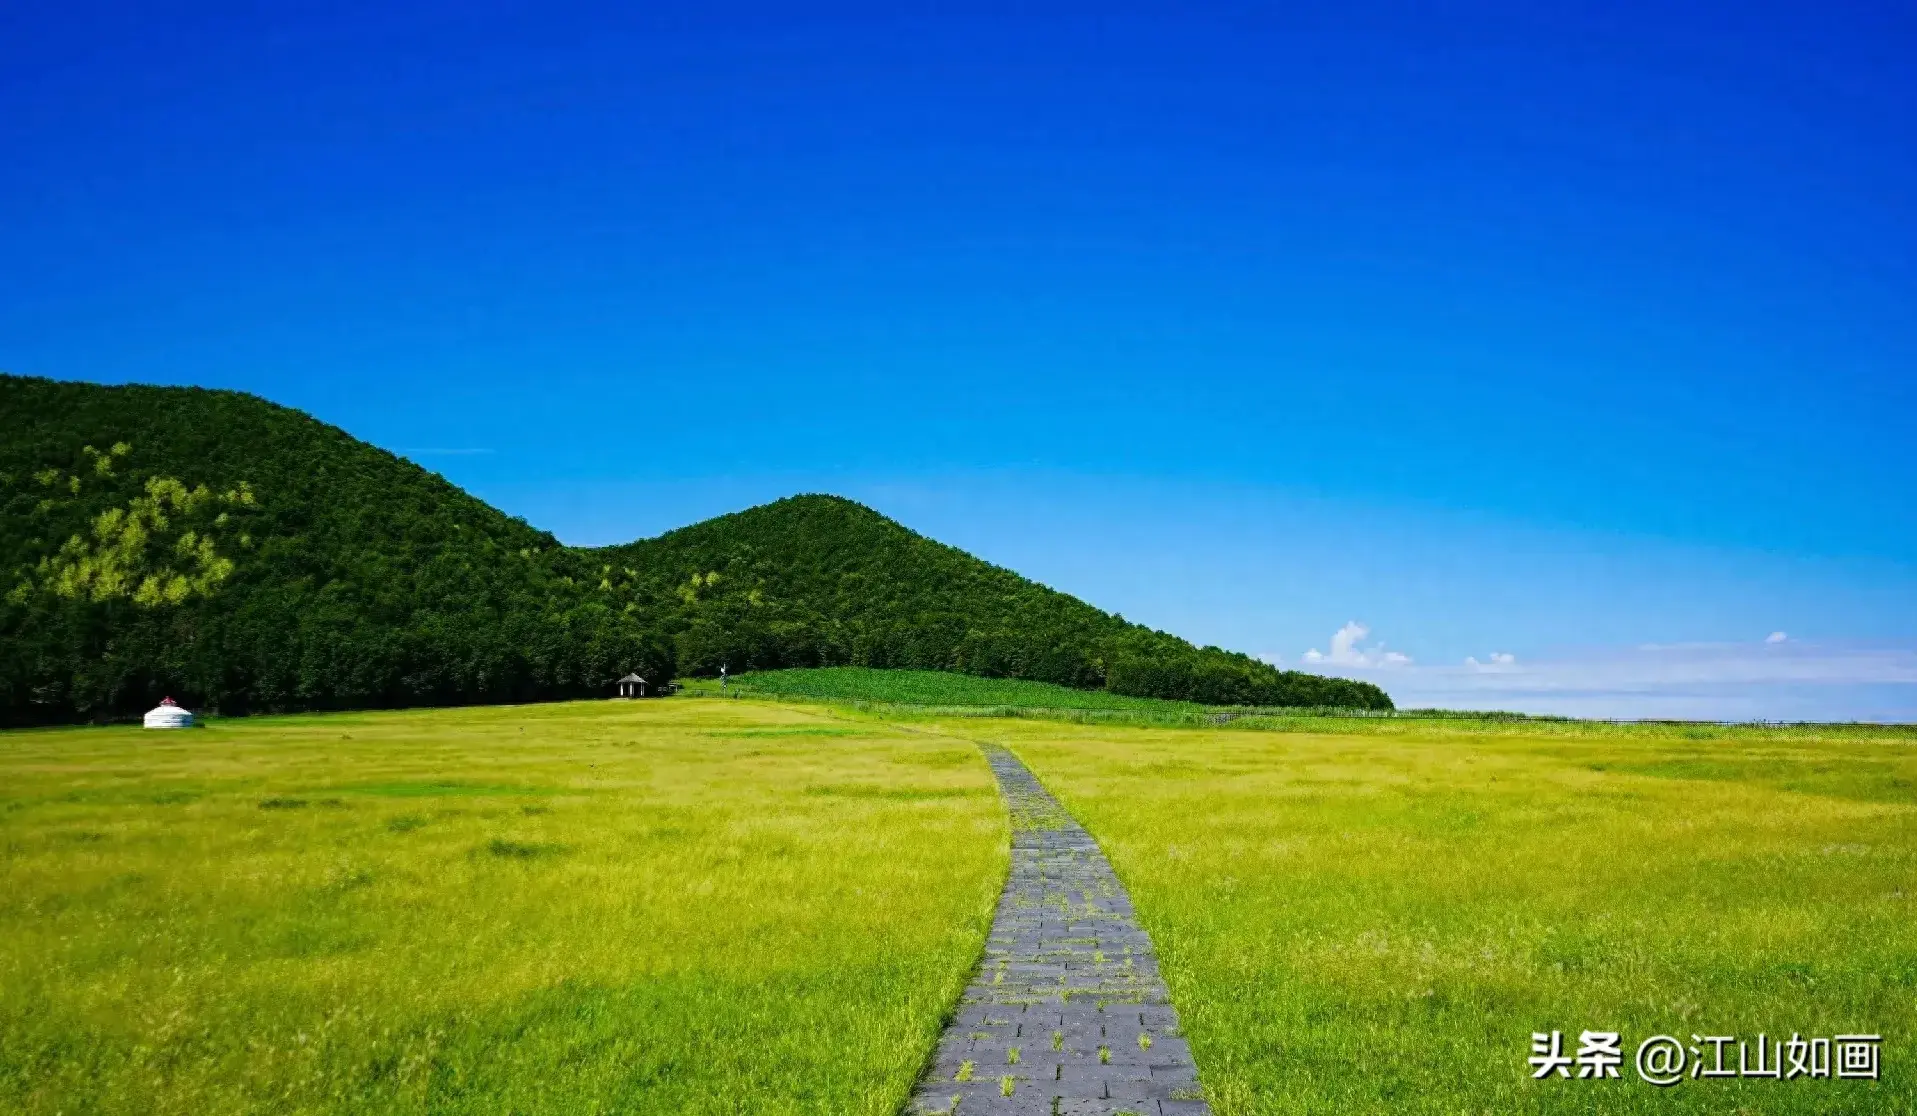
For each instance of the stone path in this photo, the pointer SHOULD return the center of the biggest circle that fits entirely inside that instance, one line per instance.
(1068, 1015)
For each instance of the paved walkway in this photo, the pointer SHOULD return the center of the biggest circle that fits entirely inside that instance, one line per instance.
(1067, 1016)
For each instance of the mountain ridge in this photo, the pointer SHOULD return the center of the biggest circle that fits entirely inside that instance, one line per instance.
(245, 556)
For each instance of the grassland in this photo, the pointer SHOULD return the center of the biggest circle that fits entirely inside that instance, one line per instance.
(681, 906)
(1375, 918)
(709, 906)
(937, 688)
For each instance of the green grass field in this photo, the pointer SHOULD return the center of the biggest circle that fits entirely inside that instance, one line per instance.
(1376, 920)
(707, 906)
(678, 906)
(934, 688)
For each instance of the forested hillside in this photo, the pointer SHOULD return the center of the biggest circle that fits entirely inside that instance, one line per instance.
(822, 581)
(243, 556)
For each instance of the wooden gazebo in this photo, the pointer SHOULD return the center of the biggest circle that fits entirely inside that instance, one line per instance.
(632, 686)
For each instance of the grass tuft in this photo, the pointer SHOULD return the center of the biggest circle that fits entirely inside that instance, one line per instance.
(522, 850)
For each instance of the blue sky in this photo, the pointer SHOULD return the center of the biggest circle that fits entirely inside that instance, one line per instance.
(1581, 337)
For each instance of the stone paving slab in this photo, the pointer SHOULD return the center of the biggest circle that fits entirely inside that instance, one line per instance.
(1068, 1015)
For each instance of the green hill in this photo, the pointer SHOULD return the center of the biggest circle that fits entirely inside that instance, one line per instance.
(821, 581)
(242, 556)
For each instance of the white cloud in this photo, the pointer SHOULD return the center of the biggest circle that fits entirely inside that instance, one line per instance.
(1344, 643)
(1499, 661)
(1347, 650)
(1776, 637)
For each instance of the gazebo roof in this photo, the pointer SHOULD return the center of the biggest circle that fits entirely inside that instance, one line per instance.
(632, 678)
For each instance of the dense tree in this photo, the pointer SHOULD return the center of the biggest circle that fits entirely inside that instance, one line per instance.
(823, 581)
(242, 556)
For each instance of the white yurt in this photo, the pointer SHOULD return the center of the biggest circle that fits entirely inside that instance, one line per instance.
(168, 715)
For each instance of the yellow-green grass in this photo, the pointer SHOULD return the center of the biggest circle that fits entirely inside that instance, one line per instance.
(679, 906)
(929, 688)
(1377, 920)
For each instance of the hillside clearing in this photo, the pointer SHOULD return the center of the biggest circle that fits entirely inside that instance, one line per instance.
(935, 688)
